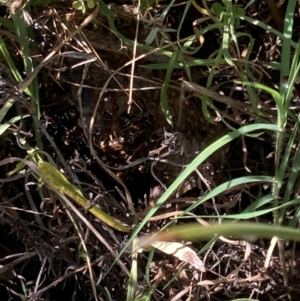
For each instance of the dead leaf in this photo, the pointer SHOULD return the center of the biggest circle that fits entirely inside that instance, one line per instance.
(182, 252)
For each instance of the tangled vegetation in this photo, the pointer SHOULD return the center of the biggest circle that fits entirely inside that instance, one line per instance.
(149, 150)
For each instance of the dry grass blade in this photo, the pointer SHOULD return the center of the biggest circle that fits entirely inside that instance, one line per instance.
(99, 84)
(192, 87)
(25, 83)
(56, 180)
(6, 269)
(97, 234)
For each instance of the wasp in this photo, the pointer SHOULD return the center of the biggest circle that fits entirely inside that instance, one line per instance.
(107, 109)
(126, 121)
(107, 113)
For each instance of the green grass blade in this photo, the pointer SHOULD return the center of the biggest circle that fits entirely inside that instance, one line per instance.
(266, 27)
(293, 174)
(195, 163)
(5, 126)
(9, 61)
(163, 95)
(286, 41)
(8, 24)
(287, 87)
(247, 231)
(24, 36)
(246, 215)
(133, 278)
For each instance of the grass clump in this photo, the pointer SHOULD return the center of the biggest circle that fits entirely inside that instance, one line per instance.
(175, 125)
